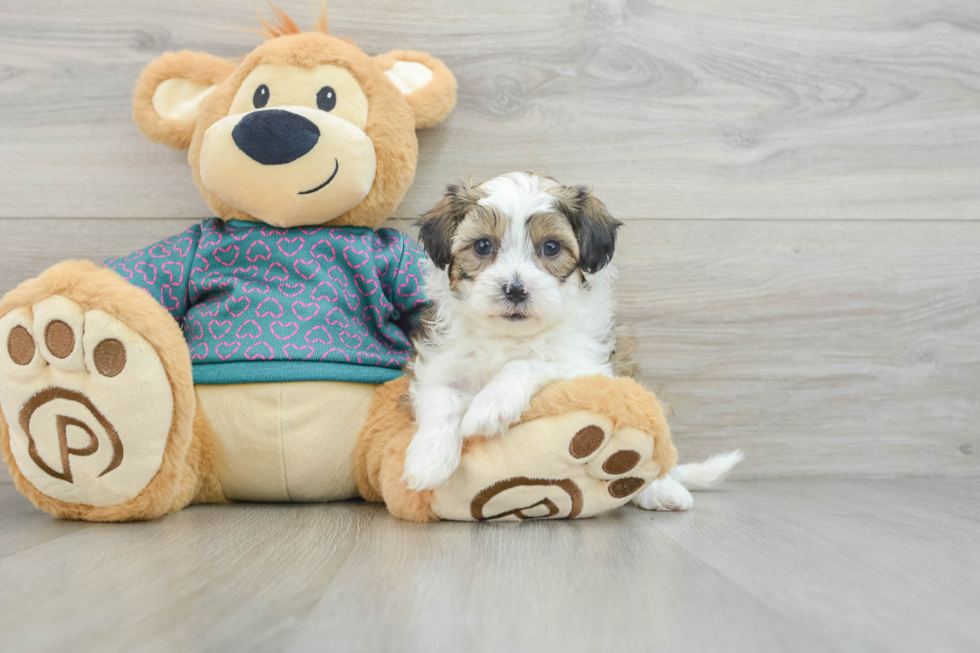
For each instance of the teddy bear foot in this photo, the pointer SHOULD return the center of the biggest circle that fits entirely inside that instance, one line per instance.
(88, 407)
(564, 467)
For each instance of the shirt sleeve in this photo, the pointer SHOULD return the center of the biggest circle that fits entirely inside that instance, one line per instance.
(407, 294)
(163, 270)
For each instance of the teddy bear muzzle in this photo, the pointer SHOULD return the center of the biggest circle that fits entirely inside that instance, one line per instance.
(288, 166)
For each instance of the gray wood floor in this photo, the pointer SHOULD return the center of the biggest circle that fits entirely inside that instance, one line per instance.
(800, 565)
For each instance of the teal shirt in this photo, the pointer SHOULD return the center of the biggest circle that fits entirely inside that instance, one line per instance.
(261, 304)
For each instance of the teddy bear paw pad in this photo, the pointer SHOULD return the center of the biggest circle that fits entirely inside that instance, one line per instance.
(86, 400)
(569, 466)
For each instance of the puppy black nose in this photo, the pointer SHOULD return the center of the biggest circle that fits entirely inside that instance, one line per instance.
(515, 292)
(275, 137)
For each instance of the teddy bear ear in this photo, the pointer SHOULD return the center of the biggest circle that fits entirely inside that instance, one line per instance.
(427, 84)
(169, 94)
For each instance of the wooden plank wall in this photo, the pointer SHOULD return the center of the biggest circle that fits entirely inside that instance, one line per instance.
(800, 183)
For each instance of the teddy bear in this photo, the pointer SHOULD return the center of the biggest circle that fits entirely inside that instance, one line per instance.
(258, 355)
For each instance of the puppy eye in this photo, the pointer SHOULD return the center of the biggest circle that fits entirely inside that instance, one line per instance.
(261, 97)
(326, 98)
(483, 247)
(551, 248)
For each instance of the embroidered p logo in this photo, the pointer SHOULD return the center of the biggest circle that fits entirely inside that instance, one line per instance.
(62, 423)
(528, 498)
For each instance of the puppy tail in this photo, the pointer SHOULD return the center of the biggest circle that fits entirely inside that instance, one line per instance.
(701, 476)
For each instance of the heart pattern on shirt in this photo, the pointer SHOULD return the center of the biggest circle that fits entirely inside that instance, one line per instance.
(251, 292)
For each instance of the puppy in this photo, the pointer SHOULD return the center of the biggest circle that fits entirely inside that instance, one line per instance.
(520, 278)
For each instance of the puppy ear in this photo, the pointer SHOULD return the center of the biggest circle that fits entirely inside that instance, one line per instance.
(594, 227)
(427, 84)
(438, 226)
(169, 93)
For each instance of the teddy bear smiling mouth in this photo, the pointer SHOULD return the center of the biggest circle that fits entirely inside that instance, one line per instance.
(336, 168)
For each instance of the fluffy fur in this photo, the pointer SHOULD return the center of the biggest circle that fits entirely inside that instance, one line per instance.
(711, 472)
(287, 25)
(522, 288)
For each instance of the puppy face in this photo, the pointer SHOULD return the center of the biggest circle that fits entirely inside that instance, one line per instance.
(518, 249)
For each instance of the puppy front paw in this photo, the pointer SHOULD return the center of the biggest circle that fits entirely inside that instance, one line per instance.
(665, 495)
(493, 410)
(430, 461)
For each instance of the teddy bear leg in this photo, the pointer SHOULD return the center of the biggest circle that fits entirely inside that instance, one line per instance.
(97, 399)
(199, 481)
(379, 455)
(584, 447)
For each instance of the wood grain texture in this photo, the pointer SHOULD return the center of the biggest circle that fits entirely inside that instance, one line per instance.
(23, 526)
(818, 347)
(737, 109)
(207, 578)
(610, 584)
(841, 348)
(857, 561)
(801, 565)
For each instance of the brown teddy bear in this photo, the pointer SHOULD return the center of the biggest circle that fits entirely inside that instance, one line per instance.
(257, 356)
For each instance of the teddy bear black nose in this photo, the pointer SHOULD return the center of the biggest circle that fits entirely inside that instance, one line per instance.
(274, 137)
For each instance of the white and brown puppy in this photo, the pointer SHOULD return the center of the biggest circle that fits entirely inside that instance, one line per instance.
(521, 287)
(521, 283)
(520, 279)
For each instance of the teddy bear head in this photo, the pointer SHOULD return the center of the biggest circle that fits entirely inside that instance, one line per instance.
(305, 130)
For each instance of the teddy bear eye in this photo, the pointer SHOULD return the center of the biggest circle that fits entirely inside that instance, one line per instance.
(261, 97)
(326, 98)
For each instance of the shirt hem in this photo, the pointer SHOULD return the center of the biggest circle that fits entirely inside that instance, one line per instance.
(241, 372)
